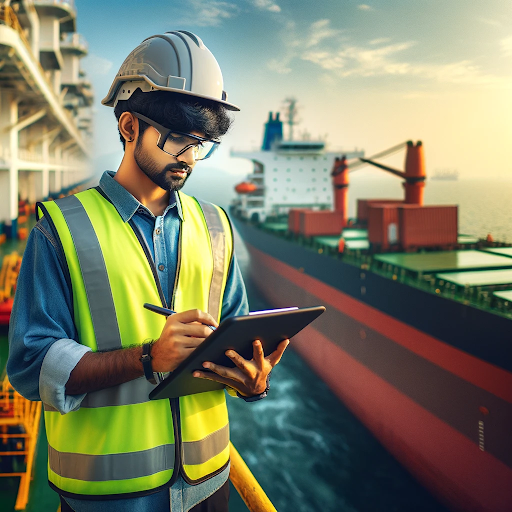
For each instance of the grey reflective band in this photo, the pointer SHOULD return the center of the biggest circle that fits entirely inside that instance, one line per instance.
(114, 466)
(218, 241)
(94, 273)
(198, 452)
(131, 392)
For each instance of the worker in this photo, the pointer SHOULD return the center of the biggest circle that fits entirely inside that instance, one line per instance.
(80, 340)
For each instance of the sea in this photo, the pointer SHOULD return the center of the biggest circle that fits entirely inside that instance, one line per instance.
(306, 449)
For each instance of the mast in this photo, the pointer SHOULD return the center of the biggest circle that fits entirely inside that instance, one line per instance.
(290, 113)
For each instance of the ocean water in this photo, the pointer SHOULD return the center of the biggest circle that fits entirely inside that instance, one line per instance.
(306, 449)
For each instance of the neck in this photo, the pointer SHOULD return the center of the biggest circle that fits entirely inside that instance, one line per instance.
(129, 175)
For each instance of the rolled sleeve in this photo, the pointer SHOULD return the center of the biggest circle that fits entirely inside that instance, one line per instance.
(57, 365)
(42, 316)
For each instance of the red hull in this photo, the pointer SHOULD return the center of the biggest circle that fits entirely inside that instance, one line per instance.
(5, 311)
(453, 466)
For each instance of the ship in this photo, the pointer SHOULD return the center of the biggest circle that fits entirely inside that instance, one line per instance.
(445, 175)
(46, 129)
(416, 337)
(45, 119)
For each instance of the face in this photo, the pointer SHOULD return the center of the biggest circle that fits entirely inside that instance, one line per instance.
(166, 171)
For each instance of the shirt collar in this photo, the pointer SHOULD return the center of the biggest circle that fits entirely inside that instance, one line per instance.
(124, 202)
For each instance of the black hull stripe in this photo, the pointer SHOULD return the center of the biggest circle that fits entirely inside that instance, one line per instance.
(450, 398)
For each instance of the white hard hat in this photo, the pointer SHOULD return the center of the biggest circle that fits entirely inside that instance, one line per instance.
(176, 61)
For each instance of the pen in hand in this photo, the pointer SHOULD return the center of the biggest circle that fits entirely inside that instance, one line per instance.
(166, 312)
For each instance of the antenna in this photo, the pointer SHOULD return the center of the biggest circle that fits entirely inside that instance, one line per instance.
(290, 113)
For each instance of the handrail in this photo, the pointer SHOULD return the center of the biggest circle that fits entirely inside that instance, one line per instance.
(8, 16)
(246, 485)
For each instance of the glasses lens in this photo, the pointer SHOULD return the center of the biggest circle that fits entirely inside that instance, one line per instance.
(177, 142)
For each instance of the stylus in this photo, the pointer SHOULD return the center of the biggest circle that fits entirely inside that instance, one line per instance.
(166, 312)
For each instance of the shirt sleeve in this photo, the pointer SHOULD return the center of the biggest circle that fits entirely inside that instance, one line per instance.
(235, 301)
(42, 334)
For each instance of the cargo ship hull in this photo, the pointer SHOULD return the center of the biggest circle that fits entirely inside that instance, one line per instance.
(429, 376)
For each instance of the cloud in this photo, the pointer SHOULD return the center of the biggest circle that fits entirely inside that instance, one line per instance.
(364, 7)
(266, 5)
(492, 23)
(95, 65)
(506, 46)
(380, 40)
(319, 31)
(209, 13)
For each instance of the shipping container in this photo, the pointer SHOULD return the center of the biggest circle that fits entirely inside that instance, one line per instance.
(383, 225)
(427, 226)
(363, 204)
(320, 223)
(294, 219)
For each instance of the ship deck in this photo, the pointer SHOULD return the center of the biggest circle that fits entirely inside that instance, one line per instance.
(474, 272)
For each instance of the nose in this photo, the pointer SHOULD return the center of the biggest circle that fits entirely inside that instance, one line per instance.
(188, 157)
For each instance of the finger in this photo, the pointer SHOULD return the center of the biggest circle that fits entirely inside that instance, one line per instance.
(214, 377)
(239, 361)
(195, 330)
(275, 357)
(257, 353)
(224, 371)
(194, 315)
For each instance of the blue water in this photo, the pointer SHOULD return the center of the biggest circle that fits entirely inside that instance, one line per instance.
(309, 452)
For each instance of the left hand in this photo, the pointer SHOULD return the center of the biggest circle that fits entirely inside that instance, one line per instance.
(249, 378)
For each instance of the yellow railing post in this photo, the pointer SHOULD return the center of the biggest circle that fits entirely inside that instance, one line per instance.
(246, 485)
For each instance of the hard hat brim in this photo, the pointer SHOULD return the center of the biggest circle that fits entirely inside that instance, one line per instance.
(110, 98)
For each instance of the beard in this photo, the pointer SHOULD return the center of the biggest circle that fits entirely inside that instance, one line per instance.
(161, 177)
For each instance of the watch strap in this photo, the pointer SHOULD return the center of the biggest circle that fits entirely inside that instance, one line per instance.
(145, 359)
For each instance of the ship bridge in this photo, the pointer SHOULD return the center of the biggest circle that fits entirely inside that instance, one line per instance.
(45, 104)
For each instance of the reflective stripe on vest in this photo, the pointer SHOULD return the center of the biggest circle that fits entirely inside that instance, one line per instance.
(113, 458)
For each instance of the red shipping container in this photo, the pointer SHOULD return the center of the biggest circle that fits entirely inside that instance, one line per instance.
(294, 219)
(363, 205)
(321, 223)
(383, 224)
(427, 226)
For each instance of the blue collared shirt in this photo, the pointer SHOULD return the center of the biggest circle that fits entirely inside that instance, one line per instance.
(42, 346)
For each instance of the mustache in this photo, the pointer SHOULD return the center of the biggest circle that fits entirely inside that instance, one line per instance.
(180, 167)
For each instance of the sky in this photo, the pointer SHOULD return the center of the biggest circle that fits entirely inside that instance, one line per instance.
(366, 75)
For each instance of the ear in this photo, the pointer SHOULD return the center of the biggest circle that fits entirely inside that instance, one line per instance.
(128, 126)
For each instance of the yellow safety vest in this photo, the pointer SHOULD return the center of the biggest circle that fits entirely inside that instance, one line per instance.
(119, 442)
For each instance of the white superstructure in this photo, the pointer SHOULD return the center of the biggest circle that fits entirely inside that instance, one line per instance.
(45, 104)
(287, 174)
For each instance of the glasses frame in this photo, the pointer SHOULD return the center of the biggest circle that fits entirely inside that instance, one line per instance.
(165, 132)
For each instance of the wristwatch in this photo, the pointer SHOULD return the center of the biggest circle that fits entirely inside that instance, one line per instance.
(146, 362)
(255, 398)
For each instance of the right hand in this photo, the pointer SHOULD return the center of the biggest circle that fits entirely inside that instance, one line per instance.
(181, 335)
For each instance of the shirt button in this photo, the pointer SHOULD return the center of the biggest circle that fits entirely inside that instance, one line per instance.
(161, 267)
(158, 231)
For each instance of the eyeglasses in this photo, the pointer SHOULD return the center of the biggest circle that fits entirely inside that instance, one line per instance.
(175, 143)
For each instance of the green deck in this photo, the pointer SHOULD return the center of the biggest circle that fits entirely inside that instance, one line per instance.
(445, 261)
(480, 278)
(357, 245)
(355, 234)
(276, 226)
(330, 241)
(467, 240)
(503, 251)
(505, 295)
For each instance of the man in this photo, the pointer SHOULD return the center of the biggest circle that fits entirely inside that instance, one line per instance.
(80, 340)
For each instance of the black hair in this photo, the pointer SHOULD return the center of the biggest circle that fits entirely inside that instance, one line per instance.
(178, 111)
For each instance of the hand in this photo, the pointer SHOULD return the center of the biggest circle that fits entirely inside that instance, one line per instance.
(249, 378)
(181, 335)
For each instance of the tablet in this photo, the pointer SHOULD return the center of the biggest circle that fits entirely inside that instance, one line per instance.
(236, 333)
